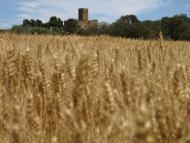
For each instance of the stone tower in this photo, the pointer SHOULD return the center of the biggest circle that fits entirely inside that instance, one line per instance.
(83, 17)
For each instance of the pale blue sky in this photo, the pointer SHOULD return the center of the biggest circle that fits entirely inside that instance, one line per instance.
(14, 11)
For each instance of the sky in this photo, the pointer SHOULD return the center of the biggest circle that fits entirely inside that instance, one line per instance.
(12, 12)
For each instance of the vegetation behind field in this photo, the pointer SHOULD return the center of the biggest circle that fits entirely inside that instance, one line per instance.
(129, 26)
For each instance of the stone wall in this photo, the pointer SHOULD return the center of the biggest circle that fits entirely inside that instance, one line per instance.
(83, 19)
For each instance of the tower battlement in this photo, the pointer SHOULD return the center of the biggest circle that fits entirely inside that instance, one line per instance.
(83, 19)
(83, 14)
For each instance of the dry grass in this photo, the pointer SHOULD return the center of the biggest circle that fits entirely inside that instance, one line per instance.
(93, 90)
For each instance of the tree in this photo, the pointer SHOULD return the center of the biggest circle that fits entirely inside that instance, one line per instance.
(55, 23)
(19, 29)
(104, 28)
(71, 25)
(175, 28)
(153, 27)
(183, 31)
(171, 24)
(129, 26)
(185, 35)
(39, 30)
(89, 31)
(118, 28)
(33, 23)
(129, 19)
(138, 30)
(27, 23)
(39, 23)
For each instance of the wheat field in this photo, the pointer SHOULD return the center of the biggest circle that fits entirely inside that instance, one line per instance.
(74, 89)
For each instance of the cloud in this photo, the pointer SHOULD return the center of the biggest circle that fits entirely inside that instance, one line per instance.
(104, 10)
(28, 7)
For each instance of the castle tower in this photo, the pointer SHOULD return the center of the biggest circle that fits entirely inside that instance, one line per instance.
(83, 17)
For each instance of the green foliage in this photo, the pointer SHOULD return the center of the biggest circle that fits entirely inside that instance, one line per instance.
(19, 29)
(153, 27)
(55, 23)
(128, 20)
(118, 28)
(184, 30)
(27, 23)
(104, 28)
(71, 25)
(57, 31)
(171, 26)
(32, 23)
(137, 30)
(131, 27)
(176, 27)
(39, 30)
(89, 31)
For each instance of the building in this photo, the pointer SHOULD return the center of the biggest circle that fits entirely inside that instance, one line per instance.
(83, 19)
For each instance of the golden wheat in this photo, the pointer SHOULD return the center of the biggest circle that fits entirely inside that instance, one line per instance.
(75, 89)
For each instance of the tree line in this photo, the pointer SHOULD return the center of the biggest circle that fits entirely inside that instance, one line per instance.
(129, 26)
